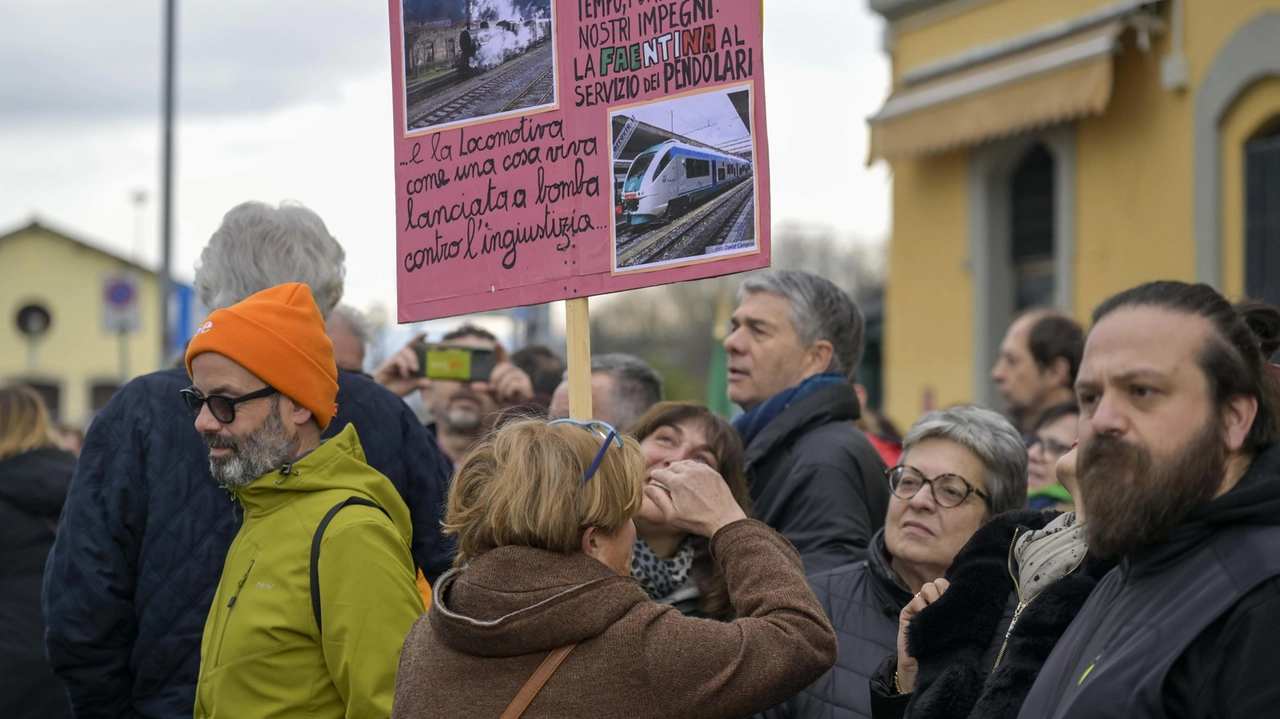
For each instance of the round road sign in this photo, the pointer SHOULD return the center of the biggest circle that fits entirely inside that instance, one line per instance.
(120, 293)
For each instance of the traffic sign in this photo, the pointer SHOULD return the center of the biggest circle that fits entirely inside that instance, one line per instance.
(120, 303)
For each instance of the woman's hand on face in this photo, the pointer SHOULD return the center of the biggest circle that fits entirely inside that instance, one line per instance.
(907, 666)
(693, 497)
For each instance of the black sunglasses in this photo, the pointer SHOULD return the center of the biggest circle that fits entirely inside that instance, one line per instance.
(222, 408)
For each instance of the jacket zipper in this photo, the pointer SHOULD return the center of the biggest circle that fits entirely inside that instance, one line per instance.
(1017, 612)
(226, 619)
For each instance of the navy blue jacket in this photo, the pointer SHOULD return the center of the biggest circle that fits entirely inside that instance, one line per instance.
(146, 529)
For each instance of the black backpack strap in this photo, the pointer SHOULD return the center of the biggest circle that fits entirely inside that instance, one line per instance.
(315, 549)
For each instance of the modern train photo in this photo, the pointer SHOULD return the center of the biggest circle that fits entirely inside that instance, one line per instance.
(668, 179)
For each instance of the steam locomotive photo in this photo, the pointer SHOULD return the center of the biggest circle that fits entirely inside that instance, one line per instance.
(668, 179)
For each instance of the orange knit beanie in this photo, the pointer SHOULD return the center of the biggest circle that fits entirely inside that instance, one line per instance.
(279, 335)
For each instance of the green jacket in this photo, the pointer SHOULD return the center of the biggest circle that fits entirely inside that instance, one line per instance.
(262, 655)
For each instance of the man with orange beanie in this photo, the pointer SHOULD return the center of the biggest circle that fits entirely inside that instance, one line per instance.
(318, 590)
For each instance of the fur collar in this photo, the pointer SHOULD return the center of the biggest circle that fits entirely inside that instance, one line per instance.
(951, 636)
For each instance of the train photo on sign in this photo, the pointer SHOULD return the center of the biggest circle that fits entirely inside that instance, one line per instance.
(684, 179)
(467, 61)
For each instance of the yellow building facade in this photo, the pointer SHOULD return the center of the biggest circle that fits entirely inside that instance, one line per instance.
(1054, 152)
(76, 364)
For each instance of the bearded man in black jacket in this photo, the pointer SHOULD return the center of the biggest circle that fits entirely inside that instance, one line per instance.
(1180, 474)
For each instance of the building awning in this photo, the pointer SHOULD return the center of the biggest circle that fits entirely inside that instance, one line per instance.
(1038, 87)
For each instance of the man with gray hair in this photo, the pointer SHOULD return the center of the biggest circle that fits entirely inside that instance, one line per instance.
(146, 528)
(793, 356)
(623, 387)
(349, 331)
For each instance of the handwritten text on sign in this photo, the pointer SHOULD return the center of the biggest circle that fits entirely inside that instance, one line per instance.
(520, 124)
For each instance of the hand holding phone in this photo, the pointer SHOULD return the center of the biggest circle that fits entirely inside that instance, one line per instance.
(448, 362)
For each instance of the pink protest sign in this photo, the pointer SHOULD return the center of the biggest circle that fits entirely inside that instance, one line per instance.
(553, 149)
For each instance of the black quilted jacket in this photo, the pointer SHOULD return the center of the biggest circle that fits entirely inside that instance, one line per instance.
(863, 601)
(146, 528)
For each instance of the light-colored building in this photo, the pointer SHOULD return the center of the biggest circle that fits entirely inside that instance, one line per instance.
(75, 363)
(1054, 152)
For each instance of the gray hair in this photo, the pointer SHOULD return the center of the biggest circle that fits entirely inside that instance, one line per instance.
(258, 246)
(819, 311)
(355, 321)
(636, 386)
(988, 435)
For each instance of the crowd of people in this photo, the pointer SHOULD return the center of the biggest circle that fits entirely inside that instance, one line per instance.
(264, 530)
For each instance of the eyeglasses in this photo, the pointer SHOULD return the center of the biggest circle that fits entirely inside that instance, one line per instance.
(949, 490)
(1052, 447)
(222, 408)
(600, 429)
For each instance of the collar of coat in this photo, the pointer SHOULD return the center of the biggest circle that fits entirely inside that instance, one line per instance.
(836, 403)
(950, 637)
(514, 600)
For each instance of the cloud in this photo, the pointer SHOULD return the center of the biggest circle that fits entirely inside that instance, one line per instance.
(101, 61)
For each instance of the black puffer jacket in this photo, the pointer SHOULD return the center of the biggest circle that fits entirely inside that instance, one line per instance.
(817, 479)
(957, 640)
(33, 487)
(146, 530)
(863, 601)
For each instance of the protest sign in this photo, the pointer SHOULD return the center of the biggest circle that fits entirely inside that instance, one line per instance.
(558, 149)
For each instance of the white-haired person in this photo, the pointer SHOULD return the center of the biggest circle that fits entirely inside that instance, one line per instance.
(146, 527)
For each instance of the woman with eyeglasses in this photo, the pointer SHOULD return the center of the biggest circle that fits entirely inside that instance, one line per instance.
(972, 643)
(959, 467)
(673, 566)
(541, 617)
(1056, 431)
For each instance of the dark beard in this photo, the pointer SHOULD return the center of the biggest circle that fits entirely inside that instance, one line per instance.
(1132, 503)
(267, 448)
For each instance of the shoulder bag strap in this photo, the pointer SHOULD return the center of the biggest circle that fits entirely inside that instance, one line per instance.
(536, 682)
(315, 550)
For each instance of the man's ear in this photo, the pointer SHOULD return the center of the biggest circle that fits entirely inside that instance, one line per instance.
(1059, 373)
(818, 357)
(296, 413)
(1238, 415)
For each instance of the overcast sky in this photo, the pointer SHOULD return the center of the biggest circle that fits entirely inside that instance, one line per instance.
(291, 99)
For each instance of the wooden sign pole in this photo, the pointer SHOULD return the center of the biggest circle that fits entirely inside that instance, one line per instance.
(578, 334)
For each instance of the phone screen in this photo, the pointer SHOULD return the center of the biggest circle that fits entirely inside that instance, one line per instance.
(461, 364)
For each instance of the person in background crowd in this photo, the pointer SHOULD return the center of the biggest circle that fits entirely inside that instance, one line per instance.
(1055, 434)
(146, 529)
(1039, 358)
(545, 370)
(878, 430)
(69, 438)
(349, 331)
(623, 387)
(543, 517)
(961, 652)
(1180, 476)
(464, 412)
(34, 475)
(314, 602)
(673, 566)
(960, 467)
(814, 477)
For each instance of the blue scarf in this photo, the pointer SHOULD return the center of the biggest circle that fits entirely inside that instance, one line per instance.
(750, 424)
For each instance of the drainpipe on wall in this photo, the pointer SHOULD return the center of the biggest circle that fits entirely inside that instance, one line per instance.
(1174, 74)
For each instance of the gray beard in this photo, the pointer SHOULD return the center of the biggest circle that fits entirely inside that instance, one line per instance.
(267, 448)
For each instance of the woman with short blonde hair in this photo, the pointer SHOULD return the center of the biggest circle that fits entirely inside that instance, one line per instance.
(24, 422)
(541, 617)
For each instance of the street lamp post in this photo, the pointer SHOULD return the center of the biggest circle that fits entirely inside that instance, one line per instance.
(166, 185)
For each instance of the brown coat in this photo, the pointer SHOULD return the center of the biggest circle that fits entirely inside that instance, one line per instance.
(493, 623)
